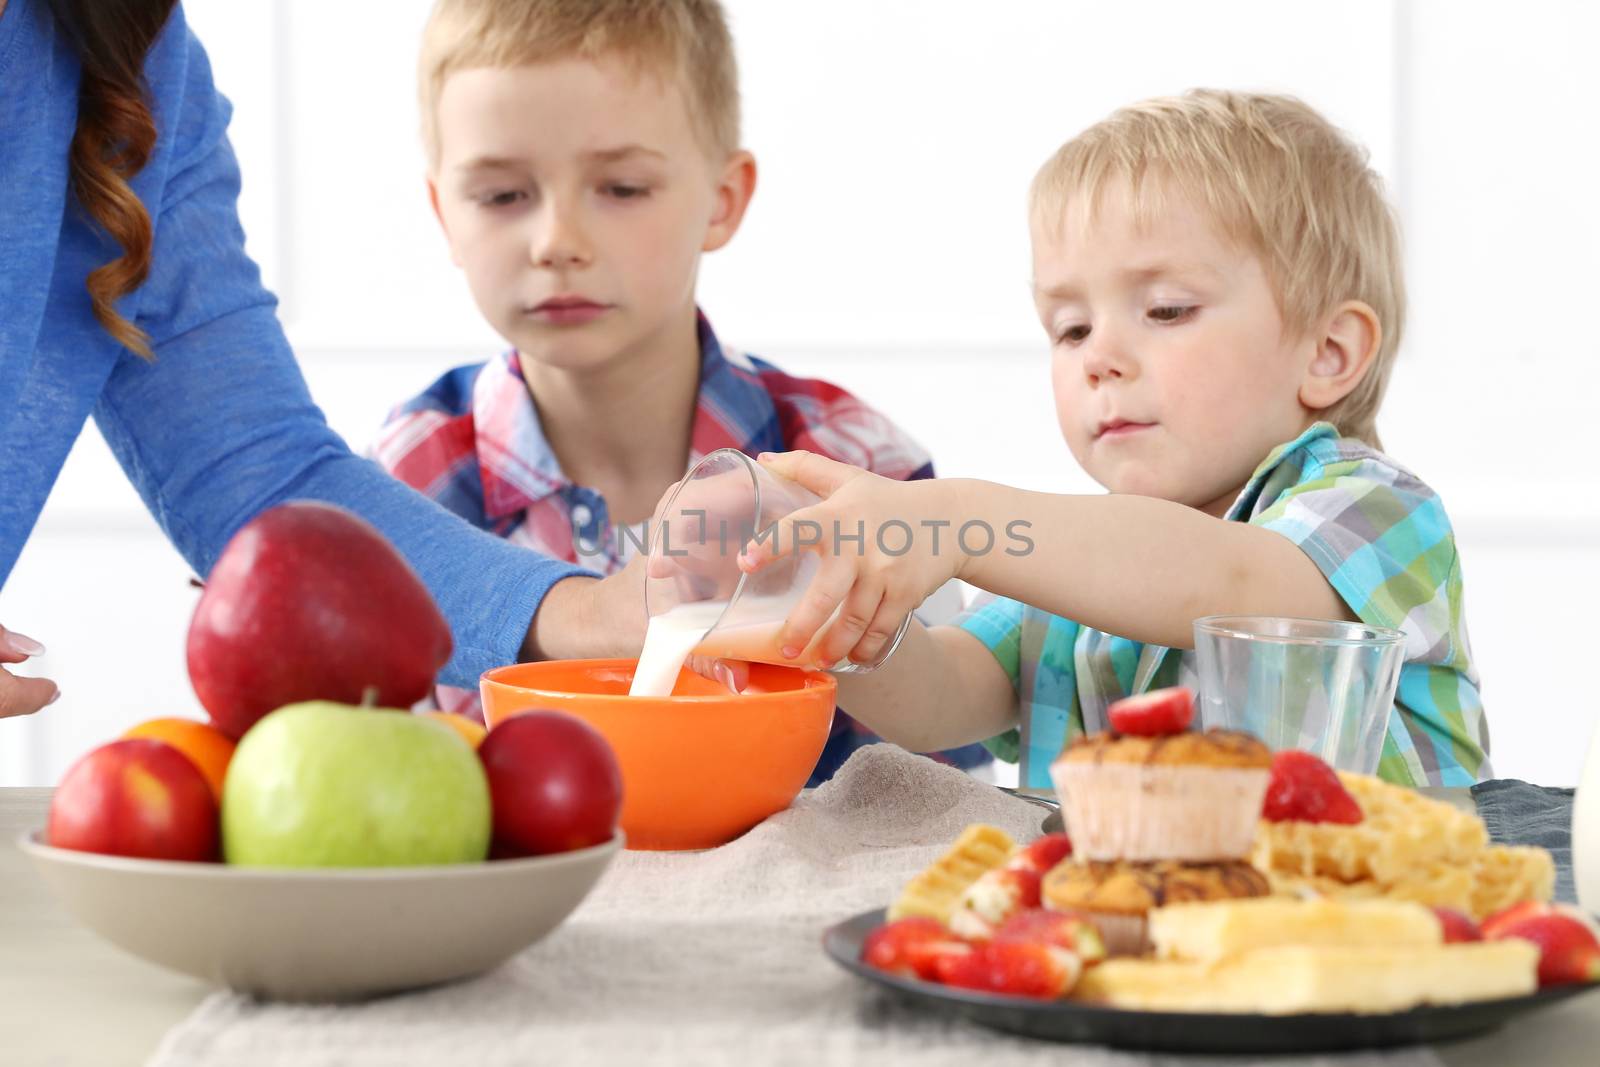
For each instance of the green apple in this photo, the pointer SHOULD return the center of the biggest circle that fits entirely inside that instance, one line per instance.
(329, 785)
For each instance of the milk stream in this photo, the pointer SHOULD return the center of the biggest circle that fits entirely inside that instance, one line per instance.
(674, 635)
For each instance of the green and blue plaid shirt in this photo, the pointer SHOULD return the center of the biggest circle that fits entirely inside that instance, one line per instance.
(1385, 544)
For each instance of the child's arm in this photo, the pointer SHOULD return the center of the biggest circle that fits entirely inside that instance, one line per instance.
(1139, 567)
(941, 689)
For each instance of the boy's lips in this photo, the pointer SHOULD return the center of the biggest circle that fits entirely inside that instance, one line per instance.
(1117, 428)
(568, 310)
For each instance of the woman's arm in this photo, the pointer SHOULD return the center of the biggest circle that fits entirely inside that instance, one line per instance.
(220, 425)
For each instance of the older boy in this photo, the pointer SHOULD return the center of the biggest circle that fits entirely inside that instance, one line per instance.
(1220, 278)
(581, 159)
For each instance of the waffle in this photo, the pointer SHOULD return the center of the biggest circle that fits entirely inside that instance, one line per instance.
(1290, 979)
(1407, 847)
(936, 892)
(1207, 932)
(1505, 875)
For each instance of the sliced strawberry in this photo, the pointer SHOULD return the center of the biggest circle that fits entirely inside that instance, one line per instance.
(994, 897)
(1305, 789)
(1568, 948)
(1457, 926)
(912, 947)
(1526, 909)
(1016, 969)
(1152, 714)
(1040, 926)
(1042, 854)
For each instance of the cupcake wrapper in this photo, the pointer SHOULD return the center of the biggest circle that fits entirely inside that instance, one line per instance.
(1124, 935)
(1139, 812)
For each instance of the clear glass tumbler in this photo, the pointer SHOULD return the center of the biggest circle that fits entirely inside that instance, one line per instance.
(1315, 684)
(727, 500)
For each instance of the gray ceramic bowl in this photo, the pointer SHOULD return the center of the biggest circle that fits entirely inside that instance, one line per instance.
(320, 934)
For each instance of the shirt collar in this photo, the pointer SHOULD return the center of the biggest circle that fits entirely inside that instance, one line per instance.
(1245, 501)
(518, 467)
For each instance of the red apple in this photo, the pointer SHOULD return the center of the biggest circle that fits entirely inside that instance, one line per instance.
(554, 784)
(309, 602)
(135, 797)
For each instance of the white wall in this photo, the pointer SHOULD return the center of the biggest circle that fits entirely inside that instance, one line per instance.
(886, 250)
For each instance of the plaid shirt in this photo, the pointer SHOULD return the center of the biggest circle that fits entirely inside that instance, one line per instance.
(1385, 544)
(472, 441)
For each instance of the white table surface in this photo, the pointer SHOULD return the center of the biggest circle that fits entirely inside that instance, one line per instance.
(69, 999)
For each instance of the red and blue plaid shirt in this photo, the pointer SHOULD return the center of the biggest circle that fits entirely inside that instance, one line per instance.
(472, 441)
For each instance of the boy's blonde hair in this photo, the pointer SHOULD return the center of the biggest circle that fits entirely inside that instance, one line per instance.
(1276, 177)
(686, 40)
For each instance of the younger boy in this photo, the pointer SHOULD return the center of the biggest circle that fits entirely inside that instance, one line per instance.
(1220, 279)
(581, 158)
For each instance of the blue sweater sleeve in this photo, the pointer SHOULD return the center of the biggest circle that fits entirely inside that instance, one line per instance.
(220, 425)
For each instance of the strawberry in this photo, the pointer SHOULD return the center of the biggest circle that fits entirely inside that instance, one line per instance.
(1495, 925)
(1152, 714)
(996, 895)
(914, 947)
(1457, 926)
(1304, 789)
(1014, 968)
(1040, 926)
(1042, 854)
(1568, 948)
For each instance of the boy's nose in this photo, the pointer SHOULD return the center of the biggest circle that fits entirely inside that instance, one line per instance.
(1105, 357)
(559, 242)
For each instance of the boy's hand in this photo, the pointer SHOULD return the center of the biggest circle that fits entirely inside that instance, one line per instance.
(22, 696)
(878, 578)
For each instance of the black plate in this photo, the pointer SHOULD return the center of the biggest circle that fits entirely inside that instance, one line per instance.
(1063, 1020)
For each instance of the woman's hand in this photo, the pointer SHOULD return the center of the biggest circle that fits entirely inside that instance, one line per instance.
(884, 546)
(22, 696)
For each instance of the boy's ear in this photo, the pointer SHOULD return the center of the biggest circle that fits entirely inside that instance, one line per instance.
(1346, 347)
(433, 201)
(735, 187)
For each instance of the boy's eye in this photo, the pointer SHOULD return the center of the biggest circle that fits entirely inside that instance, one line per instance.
(626, 192)
(499, 197)
(1172, 313)
(1071, 335)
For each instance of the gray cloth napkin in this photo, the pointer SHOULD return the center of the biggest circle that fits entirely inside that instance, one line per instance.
(696, 958)
(1518, 813)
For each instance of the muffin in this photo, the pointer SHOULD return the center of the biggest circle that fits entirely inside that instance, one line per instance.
(1116, 897)
(1186, 796)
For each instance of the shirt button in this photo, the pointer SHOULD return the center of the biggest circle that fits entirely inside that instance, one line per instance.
(581, 515)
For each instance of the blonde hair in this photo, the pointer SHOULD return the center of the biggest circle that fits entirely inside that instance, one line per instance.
(683, 39)
(1276, 177)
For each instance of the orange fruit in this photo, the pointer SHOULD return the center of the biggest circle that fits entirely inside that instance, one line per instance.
(208, 748)
(470, 730)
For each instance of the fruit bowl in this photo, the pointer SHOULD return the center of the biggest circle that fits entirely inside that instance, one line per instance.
(699, 767)
(318, 934)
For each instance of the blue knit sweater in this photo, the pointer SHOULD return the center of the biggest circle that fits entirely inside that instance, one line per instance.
(220, 425)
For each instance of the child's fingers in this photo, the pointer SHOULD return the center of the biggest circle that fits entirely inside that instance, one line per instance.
(855, 616)
(793, 533)
(828, 588)
(880, 631)
(821, 475)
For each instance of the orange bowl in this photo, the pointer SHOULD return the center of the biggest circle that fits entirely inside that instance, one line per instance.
(699, 767)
